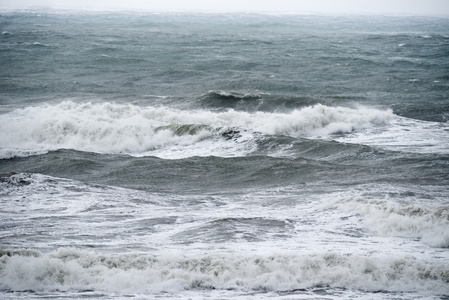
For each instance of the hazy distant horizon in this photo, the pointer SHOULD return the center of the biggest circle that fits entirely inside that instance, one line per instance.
(379, 7)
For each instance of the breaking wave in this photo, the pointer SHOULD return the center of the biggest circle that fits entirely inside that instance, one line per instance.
(430, 224)
(71, 269)
(134, 130)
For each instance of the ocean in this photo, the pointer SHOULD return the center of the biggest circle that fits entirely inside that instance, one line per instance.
(223, 156)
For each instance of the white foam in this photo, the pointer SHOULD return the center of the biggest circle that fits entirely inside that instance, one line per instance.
(172, 133)
(430, 224)
(134, 130)
(405, 134)
(70, 269)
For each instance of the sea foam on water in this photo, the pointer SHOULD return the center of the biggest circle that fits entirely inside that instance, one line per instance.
(68, 269)
(129, 129)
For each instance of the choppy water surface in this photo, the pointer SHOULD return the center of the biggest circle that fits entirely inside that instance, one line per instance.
(223, 156)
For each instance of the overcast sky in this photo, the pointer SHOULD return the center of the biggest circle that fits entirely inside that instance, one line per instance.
(407, 7)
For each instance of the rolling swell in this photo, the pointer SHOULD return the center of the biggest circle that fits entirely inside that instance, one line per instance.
(304, 164)
(269, 102)
(191, 175)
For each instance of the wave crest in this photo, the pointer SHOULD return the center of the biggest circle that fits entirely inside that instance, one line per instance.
(134, 130)
(430, 224)
(72, 269)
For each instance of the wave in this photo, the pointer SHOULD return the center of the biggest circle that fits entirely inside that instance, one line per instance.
(430, 224)
(166, 132)
(259, 101)
(70, 196)
(223, 95)
(406, 135)
(69, 269)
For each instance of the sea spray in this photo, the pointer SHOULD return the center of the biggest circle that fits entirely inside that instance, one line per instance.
(69, 269)
(117, 128)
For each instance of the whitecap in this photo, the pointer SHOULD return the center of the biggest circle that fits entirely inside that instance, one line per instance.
(428, 223)
(134, 130)
(69, 269)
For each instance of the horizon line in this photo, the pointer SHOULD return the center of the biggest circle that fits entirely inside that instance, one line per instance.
(93, 9)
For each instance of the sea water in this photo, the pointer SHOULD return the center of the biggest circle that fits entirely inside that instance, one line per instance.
(223, 156)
